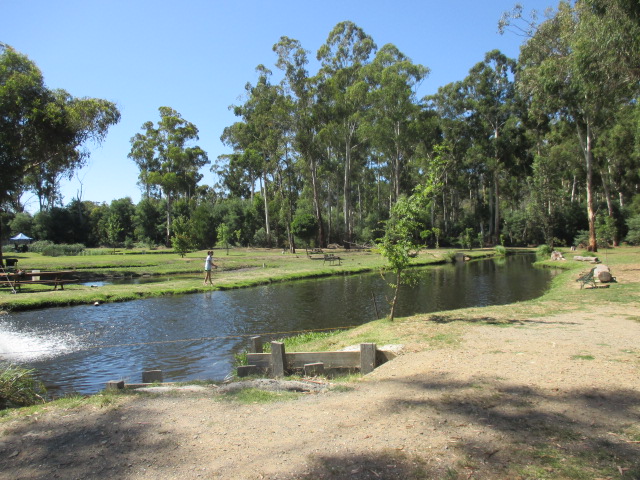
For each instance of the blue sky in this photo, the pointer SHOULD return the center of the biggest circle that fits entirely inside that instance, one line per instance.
(196, 56)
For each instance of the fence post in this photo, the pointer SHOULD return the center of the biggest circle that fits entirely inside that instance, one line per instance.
(277, 359)
(367, 357)
(256, 345)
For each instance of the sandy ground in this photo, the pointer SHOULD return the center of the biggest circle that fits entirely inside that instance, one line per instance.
(559, 392)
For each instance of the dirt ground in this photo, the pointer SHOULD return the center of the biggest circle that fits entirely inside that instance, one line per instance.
(541, 398)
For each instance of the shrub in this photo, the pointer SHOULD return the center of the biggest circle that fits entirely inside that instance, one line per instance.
(39, 246)
(63, 250)
(633, 236)
(500, 250)
(19, 388)
(543, 251)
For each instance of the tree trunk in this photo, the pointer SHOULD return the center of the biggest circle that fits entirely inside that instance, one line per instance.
(169, 205)
(267, 229)
(496, 213)
(586, 142)
(346, 193)
(392, 314)
(316, 203)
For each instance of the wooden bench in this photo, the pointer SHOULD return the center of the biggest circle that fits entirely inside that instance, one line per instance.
(331, 258)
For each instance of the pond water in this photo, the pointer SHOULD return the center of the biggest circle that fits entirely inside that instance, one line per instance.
(196, 336)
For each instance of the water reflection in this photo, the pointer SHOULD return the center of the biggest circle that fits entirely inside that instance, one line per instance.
(196, 336)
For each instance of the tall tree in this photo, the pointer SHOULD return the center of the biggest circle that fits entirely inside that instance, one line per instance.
(488, 99)
(292, 60)
(344, 92)
(258, 139)
(167, 161)
(566, 70)
(394, 79)
(40, 129)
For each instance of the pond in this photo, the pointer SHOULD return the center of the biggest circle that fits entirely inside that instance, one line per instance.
(196, 336)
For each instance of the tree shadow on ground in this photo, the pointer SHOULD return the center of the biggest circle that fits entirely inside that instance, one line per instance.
(389, 465)
(561, 433)
(444, 319)
(496, 430)
(98, 444)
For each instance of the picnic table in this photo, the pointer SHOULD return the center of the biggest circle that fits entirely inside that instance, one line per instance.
(55, 278)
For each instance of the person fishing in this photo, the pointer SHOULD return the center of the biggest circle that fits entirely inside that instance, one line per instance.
(208, 265)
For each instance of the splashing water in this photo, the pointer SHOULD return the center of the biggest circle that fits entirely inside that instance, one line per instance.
(32, 346)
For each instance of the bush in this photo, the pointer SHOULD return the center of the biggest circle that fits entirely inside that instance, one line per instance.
(633, 236)
(500, 250)
(39, 246)
(19, 388)
(582, 238)
(63, 250)
(543, 252)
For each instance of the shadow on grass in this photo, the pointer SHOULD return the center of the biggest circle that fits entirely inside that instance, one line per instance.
(444, 319)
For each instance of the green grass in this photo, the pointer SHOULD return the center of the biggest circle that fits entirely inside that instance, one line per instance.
(254, 395)
(583, 357)
(241, 268)
(19, 387)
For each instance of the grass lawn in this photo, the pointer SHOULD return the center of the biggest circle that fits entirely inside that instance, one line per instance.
(181, 275)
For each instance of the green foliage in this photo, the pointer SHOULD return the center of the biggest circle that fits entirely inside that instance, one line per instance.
(305, 227)
(113, 230)
(39, 245)
(633, 235)
(19, 387)
(466, 239)
(50, 249)
(182, 240)
(543, 251)
(606, 230)
(166, 160)
(397, 245)
(224, 236)
(500, 250)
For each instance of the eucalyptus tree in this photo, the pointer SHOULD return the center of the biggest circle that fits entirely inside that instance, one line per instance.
(258, 139)
(85, 120)
(168, 163)
(489, 108)
(569, 70)
(394, 112)
(344, 93)
(41, 129)
(305, 119)
(464, 181)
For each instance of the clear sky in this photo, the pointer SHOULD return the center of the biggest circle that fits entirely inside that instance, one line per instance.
(196, 56)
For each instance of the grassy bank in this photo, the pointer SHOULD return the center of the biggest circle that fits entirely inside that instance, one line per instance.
(445, 328)
(177, 275)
